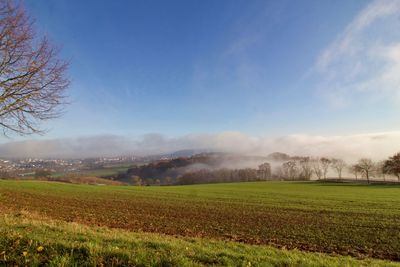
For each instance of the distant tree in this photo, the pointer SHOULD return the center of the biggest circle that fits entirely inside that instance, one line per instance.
(355, 170)
(379, 169)
(317, 168)
(265, 171)
(392, 166)
(367, 166)
(290, 169)
(279, 173)
(325, 163)
(306, 169)
(32, 78)
(338, 165)
(225, 175)
(245, 175)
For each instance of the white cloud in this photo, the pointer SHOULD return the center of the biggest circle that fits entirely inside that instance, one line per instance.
(364, 60)
(349, 147)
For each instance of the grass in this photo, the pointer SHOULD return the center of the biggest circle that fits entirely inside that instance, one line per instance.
(27, 241)
(104, 172)
(347, 219)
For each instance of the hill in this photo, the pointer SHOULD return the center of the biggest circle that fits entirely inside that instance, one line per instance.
(205, 167)
(173, 168)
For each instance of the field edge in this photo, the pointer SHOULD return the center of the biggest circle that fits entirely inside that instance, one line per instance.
(26, 239)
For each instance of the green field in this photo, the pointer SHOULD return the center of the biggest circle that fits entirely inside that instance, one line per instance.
(264, 223)
(103, 172)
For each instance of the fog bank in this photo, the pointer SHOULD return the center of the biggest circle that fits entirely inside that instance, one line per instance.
(349, 147)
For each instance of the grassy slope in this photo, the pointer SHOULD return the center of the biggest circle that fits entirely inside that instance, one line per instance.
(96, 173)
(71, 244)
(358, 220)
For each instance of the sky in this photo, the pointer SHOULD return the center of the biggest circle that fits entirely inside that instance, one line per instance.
(307, 76)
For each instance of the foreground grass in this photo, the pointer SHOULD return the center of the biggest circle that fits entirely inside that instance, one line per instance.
(27, 241)
(346, 219)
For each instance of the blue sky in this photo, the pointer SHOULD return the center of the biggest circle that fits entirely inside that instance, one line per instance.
(257, 68)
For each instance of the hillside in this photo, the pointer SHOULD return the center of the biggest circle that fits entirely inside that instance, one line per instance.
(171, 169)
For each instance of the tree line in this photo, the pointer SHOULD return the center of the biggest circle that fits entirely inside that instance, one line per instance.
(293, 169)
(304, 168)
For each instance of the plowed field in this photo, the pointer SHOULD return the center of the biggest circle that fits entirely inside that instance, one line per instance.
(356, 220)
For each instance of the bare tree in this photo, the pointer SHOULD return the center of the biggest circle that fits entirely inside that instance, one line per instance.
(366, 166)
(306, 169)
(355, 169)
(265, 171)
(32, 78)
(317, 168)
(338, 165)
(290, 169)
(325, 163)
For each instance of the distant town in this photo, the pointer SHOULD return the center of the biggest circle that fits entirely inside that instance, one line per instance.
(28, 166)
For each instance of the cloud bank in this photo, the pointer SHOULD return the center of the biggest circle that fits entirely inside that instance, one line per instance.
(350, 147)
(364, 60)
